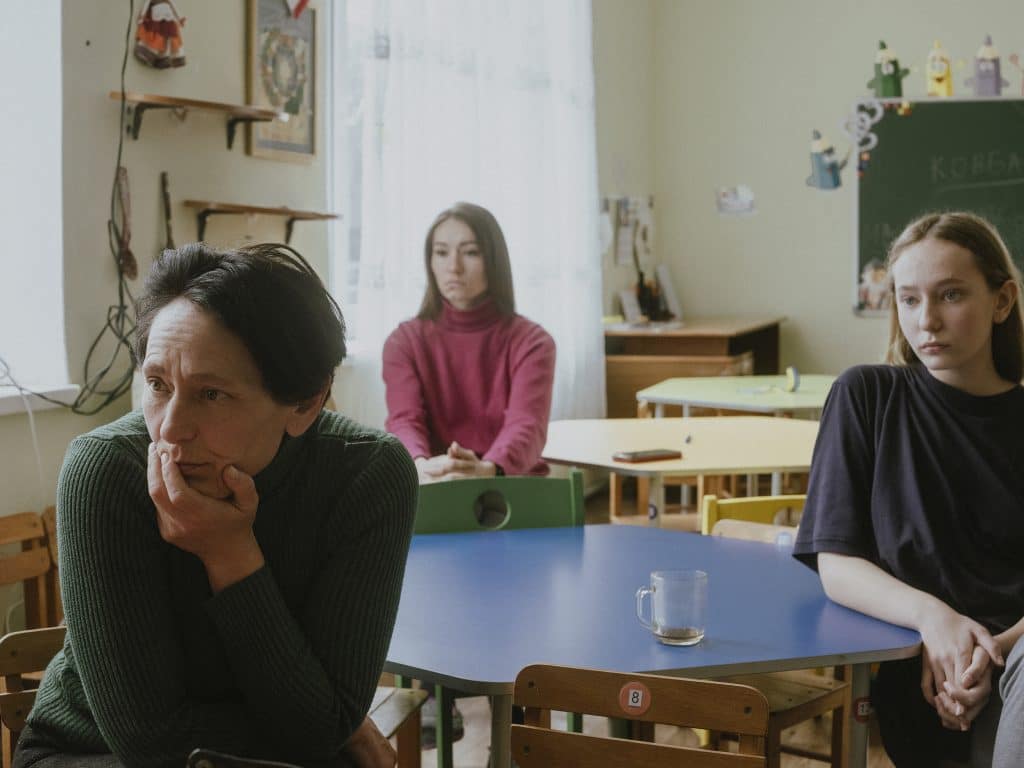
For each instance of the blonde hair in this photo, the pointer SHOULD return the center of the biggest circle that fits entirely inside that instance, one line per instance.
(977, 236)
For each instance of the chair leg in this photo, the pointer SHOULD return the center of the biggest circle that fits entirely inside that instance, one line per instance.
(574, 722)
(445, 699)
(614, 495)
(773, 747)
(643, 495)
(407, 740)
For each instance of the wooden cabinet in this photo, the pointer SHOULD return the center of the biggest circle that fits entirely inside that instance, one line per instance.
(636, 358)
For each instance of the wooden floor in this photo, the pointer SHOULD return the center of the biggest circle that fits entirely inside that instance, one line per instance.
(472, 750)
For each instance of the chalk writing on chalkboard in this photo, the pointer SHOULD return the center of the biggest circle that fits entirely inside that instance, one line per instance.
(953, 154)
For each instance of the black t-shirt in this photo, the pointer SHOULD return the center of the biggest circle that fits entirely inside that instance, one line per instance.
(925, 481)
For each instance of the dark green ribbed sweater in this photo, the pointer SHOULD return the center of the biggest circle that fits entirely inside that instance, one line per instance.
(282, 664)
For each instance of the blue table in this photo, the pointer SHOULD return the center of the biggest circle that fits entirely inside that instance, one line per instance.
(478, 607)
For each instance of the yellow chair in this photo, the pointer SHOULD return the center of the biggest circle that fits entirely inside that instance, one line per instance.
(793, 697)
(753, 509)
(643, 700)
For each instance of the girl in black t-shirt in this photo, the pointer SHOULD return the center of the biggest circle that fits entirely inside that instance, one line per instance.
(915, 508)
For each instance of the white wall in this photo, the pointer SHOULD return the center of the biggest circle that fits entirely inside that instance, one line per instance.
(200, 166)
(735, 89)
(624, 102)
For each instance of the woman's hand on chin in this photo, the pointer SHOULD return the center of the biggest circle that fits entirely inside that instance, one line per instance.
(217, 531)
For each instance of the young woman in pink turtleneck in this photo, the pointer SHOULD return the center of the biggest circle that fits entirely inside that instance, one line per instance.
(468, 380)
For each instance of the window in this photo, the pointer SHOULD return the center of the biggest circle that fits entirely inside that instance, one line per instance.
(31, 260)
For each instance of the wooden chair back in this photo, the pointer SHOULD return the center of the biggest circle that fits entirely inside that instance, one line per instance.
(641, 698)
(29, 566)
(54, 606)
(21, 652)
(500, 503)
(754, 509)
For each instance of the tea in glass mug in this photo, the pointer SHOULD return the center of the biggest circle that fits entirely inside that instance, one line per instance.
(679, 602)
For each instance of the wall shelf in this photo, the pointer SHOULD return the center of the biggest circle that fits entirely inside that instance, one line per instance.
(206, 208)
(236, 113)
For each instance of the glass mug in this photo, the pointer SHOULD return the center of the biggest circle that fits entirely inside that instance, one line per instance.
(679, 604)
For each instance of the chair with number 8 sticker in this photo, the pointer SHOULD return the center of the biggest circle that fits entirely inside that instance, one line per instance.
(643, 700)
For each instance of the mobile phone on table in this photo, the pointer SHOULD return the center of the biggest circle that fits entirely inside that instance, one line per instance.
(653, 454)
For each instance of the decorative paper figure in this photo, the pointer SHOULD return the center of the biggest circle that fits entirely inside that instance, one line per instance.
(857, 127)
(939, 72)
(825, 166)
(158, 35)
(873, 290)
(988, 77)
(1015, 60)
(888, 80)
(296, 7)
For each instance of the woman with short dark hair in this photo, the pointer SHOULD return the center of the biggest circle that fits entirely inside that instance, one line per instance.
(231, 557)
(468, 380)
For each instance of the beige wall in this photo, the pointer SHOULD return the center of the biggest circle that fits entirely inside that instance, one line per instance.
(624, 106)
(195, 155)
(734, 88)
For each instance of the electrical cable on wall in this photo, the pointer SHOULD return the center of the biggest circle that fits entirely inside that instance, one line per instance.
(113, 378)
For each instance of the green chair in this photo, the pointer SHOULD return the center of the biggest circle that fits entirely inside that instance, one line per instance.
(491, 504)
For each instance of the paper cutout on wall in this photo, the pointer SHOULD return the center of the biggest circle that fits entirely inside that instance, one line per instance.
(825, 165)
(988, 76)
(888, 80)
(735, 201)
(938, 72)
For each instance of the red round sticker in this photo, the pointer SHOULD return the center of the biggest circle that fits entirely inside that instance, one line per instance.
(862, 709)
(635, 698)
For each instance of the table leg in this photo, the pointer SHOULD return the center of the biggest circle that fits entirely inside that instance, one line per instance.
(751, 485)
(659, 410)
(776, 483)
(501, 726)
(860, 686)
(656, 503)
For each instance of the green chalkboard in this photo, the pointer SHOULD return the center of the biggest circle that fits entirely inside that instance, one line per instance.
(940, 155)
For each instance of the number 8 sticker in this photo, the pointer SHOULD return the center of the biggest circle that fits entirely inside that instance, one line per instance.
(634, 698)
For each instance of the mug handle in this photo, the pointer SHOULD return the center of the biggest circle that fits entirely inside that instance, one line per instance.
(640, 594)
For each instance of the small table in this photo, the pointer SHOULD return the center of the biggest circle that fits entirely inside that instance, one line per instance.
(639, 356)
(757, 394)
(478, 607)
(711, 445)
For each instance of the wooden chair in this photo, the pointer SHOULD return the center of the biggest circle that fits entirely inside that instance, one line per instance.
(793, 697)
(491, 504)
(22, 652)
(395, 712)
(54, 606)
(30, 566)
(644, 700)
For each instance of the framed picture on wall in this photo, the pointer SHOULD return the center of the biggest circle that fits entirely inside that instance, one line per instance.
(280, 73)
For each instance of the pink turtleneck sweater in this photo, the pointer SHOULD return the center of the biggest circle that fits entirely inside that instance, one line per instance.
(473, 377)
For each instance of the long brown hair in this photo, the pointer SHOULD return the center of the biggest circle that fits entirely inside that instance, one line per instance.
(992, 257)
(492, 245)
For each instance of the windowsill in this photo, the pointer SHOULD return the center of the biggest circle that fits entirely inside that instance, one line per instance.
(11, 400)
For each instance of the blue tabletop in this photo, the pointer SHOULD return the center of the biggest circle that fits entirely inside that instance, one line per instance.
(478, 607)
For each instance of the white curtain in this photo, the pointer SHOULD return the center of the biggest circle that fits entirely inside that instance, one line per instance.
(488, 101)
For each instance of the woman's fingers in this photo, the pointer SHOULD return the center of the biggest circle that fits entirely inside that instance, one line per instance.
(928, 682)
(980, 660)
(242, 487)
(984, 638)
